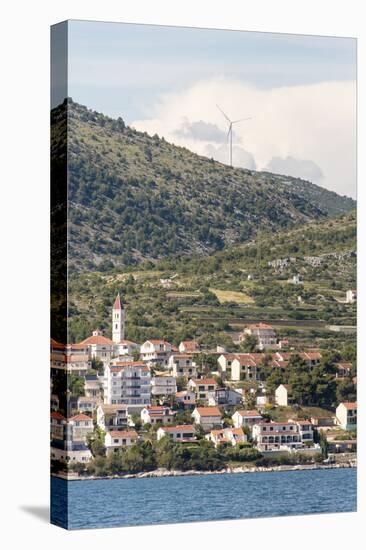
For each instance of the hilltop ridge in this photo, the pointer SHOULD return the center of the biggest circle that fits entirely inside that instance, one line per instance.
(134, 197)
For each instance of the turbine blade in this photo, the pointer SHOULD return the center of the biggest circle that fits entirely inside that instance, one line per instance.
(241, 120)
(230, 130)
(221, 111)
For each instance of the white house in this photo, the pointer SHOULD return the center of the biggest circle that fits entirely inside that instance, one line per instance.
(264, 333)
(186, 398)
(72, 447)
(225, 360)
(351, 296)
(126, 347)
(283, 396)
(86, 404)
(93, 387)
(202, 387)
(163, 385)
(157, 415)
(306, 430)
(343, 370)
(246, 418)
(72, 363)
(276, 436)
(182, 364)
(99, 346)
(346, 415)
(207, 417)
(112, 417)
(127, 383)
(183, 433)
(116, 440)
(78, 427)
(231, 436)
(189, 346)
(245, 366)
(156, 351)
(224, 396)
(58, 422)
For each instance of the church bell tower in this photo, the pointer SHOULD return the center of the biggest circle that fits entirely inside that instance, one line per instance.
(118, 321)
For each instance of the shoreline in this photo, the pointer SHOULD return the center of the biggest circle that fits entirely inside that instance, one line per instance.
(236, 470)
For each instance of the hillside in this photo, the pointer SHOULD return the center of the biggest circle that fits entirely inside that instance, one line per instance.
(135, 197)
(213, 299)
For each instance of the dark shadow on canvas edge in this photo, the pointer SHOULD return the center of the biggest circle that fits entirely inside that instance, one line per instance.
(40, 512)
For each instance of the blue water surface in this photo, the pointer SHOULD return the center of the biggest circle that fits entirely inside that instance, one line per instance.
(122, 502)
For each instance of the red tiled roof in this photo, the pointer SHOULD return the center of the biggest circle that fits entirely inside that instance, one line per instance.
(181, 428)
(157, 341)
(80, 417)
(345, 366)
(204, 381)
(121, 435)
(97, 340)
(56, 345)
(246, 360)
(124, 364)
(117, 302)
(57, 415)
(77, 358)
(249, 413)
(209, 411)
(190, 344)
(349, 405)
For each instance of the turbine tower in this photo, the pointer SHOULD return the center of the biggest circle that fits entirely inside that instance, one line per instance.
(230, 132)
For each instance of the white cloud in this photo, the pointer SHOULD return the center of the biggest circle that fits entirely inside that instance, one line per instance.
(312, 123)
(305, 169)
(241, 158)
(201, 131)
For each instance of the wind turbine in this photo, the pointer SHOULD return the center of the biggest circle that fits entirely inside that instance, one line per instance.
(230, 132)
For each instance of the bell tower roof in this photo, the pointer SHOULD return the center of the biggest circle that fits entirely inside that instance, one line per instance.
(117, 302)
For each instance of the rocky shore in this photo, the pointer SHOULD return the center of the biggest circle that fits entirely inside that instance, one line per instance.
(162, 472)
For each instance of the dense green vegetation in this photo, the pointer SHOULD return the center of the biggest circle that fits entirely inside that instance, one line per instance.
(146, 456)
(199, 302)
(133, 196)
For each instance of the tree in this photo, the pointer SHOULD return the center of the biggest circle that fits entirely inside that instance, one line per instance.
(181, 383)
(98, 365)
(346, 391)
(75, 385)
(95, 442)
(249, 344)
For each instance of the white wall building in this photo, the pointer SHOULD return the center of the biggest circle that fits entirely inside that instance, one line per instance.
(163, 385)
(116, 440)
(112, 417)
(264, 333)
(182, 364)
(231, 436)
(246, 418)
(283, 397)
(127, 383)
(207, 417)
(156, 351)
(276, 436)
(202, 387)
(157, 415)
(184, 433)
(346, 415)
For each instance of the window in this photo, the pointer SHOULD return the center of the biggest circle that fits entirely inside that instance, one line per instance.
(115, 440)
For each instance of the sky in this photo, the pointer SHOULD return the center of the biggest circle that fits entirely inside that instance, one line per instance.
(299, 92)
